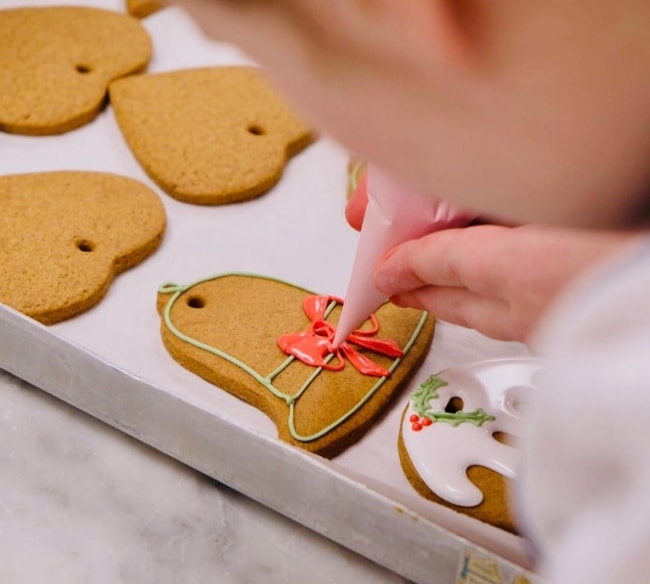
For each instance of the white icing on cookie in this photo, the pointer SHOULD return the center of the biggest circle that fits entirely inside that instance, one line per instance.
(441, 453)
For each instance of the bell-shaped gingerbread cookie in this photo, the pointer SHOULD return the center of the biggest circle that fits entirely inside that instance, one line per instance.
(270, 344)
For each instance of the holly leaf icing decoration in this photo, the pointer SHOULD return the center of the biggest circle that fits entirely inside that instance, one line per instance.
(427, 391)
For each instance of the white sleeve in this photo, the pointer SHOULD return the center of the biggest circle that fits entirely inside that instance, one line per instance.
(584, 489)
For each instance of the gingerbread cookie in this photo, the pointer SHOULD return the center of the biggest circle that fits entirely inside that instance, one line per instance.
(269, 343)
(65, 235)
(143, 8)
(458, 436)
(56, 64)
(357, 175)
(209, 136)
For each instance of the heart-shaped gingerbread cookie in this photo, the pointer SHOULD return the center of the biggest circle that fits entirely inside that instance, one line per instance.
(56, 64)
(64, 236)
(209, 136)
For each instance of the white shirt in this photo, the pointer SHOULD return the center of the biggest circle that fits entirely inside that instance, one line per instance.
(584, 489)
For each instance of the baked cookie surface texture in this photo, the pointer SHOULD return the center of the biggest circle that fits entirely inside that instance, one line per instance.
(143, 8)
(56, 64)
(269, 343)
(458, 437)
(209, 136)
(65, 235)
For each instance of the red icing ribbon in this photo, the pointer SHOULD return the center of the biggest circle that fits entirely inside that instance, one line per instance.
(313, 346)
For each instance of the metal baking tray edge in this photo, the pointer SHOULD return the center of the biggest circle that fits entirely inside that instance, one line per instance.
(305, 487)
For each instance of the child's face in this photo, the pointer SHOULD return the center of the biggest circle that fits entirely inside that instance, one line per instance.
(532, 111)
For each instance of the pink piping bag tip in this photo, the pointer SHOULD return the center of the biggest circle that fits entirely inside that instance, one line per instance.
(395, 214)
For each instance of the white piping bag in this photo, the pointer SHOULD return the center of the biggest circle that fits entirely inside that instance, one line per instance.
(395, 214)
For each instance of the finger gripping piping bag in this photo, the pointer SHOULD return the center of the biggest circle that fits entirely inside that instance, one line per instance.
(395, 214)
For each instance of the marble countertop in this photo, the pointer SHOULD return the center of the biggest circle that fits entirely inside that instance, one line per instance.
(81, 502)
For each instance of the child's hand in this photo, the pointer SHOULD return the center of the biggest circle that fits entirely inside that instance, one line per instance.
(497, 280)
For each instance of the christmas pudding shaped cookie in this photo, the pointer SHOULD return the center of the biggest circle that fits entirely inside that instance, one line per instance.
(269, 343)
(65, 235)
(209, 136)
(458, 436)
(56, 64)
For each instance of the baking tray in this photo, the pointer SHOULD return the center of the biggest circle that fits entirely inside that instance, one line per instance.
(110, 362)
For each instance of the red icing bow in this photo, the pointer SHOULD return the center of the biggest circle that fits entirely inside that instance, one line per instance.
(314, 345)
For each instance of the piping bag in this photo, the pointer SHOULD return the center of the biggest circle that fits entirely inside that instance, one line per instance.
(395, 213)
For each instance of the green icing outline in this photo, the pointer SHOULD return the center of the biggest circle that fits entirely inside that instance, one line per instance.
(428, 390)
(177, 290)
(355, 174)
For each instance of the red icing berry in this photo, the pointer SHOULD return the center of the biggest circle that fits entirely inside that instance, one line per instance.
(414, 418)
(426, 421)
(416, 426)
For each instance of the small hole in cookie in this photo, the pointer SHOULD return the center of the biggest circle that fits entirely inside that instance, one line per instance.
(455, 404)
(256, 130)
(195, 302)
(504, 438)
(85, 246)
(83, 69)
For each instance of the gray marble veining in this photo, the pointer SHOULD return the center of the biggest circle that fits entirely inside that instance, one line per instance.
(82, 503)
